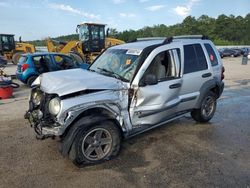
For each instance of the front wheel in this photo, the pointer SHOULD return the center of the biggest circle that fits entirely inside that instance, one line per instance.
(207, 109)
(95, 144)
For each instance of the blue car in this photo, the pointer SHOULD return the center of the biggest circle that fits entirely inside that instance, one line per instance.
(30, 66)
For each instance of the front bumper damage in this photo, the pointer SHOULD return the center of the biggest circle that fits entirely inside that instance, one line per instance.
(41, 126)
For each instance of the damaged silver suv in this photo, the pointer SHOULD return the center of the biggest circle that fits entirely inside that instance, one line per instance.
(129, 89)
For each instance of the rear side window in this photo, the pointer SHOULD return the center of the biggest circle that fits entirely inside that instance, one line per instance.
(194, 58)
(211, 54)
(23, 59)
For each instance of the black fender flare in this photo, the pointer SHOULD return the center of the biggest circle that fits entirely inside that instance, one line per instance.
(207, 86)
(71, 134)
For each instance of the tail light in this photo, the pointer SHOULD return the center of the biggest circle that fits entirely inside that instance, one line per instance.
(24, 67)
(222, 73)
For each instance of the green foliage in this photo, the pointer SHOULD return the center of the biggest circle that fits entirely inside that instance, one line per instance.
(224, 30)
(60, 38)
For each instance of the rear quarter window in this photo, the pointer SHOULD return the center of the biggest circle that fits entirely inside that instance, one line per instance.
(23, 59)
(211, 54)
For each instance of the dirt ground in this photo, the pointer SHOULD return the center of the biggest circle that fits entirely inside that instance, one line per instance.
(180, 154)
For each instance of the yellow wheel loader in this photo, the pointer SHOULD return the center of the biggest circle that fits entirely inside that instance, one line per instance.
(12, 50)
(92, 41)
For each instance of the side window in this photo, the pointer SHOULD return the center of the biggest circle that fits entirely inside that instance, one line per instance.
(102, 33)
(165, 65)
(194, 58)
(95, 32)
(64, 62)
(41, 63)
(5, 39)
(211, 54)
(36, 60)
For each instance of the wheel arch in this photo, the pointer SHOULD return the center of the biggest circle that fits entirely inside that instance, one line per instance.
(35, 75)
(211, 85)
(87, 118)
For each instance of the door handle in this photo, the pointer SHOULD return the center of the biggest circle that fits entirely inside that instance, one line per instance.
(173, 86)
(207, 75)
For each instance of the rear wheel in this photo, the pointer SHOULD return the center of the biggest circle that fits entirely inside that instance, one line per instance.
(207, 109)
(96, 144)
(31, 80)
(16, 57)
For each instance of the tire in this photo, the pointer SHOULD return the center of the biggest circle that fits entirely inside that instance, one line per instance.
(30, 80)
(207, 109)
(15, 85)
(16, 57)
(88, 148)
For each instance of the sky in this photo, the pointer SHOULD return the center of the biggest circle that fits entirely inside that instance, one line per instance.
(39, 19)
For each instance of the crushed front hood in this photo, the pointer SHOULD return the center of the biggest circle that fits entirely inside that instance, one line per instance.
(74, 80)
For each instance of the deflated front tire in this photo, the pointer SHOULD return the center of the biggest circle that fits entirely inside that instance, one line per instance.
(95, 144)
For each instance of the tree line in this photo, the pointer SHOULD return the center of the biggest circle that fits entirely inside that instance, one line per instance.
(223, 30)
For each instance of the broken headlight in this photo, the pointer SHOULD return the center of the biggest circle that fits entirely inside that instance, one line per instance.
(55, 106)
(36, 97)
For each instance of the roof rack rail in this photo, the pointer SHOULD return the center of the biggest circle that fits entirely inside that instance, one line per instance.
(151, 38)
(203, 37)
(168, 40)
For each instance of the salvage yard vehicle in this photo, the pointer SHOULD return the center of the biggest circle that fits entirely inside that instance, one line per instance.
(92, 41)
(229, 53)
(12, 50)
(30, 66)
(129, 89)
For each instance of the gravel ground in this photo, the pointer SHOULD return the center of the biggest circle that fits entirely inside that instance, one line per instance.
(180, 154)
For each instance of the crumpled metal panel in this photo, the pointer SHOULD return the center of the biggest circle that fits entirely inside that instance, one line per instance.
(73, 80)
(112, 95)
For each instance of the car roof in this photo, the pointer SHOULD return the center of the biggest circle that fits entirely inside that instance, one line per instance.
(42, 53)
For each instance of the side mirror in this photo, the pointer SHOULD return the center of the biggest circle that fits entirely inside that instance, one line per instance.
(149, 79)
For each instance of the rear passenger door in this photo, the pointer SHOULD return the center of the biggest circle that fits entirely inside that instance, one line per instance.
(195, 73)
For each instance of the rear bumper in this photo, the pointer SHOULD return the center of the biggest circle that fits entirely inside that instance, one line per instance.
(221, 88)
(20, 77)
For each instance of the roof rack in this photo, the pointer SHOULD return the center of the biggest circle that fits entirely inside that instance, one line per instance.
(168, 40)
(190, 37)
(150, 38)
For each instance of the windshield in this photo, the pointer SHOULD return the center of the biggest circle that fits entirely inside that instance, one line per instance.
(119, 63)
(83, 33)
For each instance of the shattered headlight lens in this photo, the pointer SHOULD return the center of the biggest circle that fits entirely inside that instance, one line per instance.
(36, 97)
(55, 106)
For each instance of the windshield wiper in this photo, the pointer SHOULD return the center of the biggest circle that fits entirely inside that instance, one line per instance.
(91, 70)
(113, 74)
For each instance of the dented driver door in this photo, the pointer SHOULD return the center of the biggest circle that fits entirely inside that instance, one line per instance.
(152, 104)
